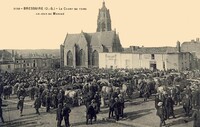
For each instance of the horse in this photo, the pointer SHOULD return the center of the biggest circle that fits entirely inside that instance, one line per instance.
(73, 96)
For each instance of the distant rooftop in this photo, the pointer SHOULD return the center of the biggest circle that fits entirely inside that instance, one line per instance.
(150, 50)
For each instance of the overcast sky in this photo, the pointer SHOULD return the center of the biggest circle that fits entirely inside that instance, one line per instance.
(138, 22)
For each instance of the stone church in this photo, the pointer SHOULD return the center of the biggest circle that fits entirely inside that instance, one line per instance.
(82, 49)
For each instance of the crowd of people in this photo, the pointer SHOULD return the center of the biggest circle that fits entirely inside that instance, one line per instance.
(100, 87)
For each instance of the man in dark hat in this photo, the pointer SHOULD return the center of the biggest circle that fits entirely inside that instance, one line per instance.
(48, 101)
(37, 104)
(121, 101)
(66, 111)
(90, 112)
(160, 113)
(59, 115)
(169, 105)
(98, 100)
(20, 104)
(95, 106)
(116, 107)
(111, 107)
(60, 97)
(187, 104)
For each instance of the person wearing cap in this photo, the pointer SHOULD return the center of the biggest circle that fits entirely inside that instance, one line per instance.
(66, 111)
(121, 108)
(60, 97)
(59, 115)
(111, 107)
(196, 117)
(116, 107)
(20, 105)
(169, 107)
(90, 112)
(98, 100)
(37, 104)
(160, 113)
(48, 101)
(95, 106)
(187, 104)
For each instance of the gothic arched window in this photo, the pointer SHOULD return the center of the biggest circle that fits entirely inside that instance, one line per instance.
(95, 59)
(69, 58)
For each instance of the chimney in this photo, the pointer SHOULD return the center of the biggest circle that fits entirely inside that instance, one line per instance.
(178, 46)
(197, 39)
(13, 53)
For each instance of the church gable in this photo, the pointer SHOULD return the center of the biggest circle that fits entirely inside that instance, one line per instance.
(71, 40)
(82, 42)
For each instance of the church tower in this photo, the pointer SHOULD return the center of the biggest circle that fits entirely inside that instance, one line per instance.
(103, 21)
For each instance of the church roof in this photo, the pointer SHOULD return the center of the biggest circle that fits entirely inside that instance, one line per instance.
(105, 38)
(71, 39)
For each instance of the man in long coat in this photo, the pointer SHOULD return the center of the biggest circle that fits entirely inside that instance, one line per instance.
(37, 104)
(187, 104)
(116, 107)
(48, 101)
(20, 105)
(66, 111)
(169, 105)
(111, 107)
(59, 115)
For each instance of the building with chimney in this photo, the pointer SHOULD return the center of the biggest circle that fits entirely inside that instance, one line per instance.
(192, 46)
(82, 49)
(161, 58)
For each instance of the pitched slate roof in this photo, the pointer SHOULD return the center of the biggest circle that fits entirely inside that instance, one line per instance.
(71, 39)
(152, 50)
(105, 38)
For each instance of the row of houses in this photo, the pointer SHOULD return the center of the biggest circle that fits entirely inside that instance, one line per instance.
(162, 58)
(9, 62)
